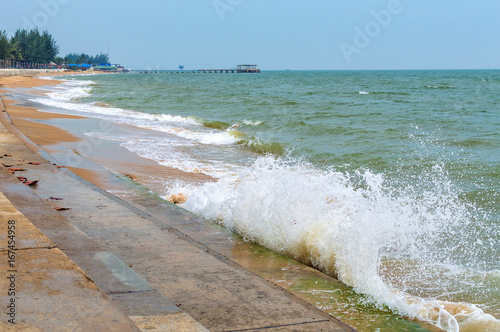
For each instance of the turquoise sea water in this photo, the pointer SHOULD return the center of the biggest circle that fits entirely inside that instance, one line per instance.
(389, 180)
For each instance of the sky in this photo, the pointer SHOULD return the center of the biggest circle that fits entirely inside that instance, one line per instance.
(275, 34)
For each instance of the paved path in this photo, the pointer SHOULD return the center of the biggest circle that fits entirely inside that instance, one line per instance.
(47, 290)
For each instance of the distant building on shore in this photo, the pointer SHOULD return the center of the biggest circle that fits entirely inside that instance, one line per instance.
(78, 66)
(113, 68)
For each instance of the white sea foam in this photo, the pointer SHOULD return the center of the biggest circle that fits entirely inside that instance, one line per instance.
(65, 95)
(46, 77)
(172, 154)
(73, 92)
(167, 152)
(364, 93)
(343, 224)
(440, 86)
(252, 123)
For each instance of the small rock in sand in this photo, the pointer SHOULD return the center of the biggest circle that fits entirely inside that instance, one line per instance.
(131, 176)
(177, 199)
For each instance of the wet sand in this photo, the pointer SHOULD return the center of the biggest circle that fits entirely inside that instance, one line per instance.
(60, 142)
(39, 133)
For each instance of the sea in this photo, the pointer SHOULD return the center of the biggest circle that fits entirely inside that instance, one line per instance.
(386, 180)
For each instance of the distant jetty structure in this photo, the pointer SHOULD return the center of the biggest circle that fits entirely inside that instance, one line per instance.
(238, 69)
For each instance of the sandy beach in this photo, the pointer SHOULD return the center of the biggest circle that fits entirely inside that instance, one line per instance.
(54, 140)
(39, 133)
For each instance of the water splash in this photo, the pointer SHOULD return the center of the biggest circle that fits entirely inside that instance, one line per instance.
(356, 227)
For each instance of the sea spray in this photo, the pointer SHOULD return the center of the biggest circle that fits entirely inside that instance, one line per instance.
(352, 226)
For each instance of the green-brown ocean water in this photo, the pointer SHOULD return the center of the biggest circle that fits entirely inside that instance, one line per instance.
(389, 180)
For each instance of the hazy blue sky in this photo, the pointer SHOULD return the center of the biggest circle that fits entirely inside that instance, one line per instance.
(276, 34)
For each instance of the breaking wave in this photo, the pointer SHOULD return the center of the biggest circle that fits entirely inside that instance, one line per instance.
(355, 227)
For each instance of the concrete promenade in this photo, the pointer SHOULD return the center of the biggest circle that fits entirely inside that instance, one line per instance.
(86, 260)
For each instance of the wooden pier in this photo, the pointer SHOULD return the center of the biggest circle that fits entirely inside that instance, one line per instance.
(238, 69)
(210, 71)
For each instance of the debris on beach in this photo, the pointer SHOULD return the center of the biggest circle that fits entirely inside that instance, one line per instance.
(131, 176)
(5, 165)
(57, 208)
(7, 155)
(177, 198)
(26, 182)
(56, 198)
(34, 163)
(16, 169)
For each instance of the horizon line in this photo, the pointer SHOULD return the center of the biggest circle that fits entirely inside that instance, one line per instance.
(393, 69)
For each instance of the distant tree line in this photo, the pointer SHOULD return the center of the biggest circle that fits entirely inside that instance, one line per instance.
(88, 59)
(32, 46)
(40, 47)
